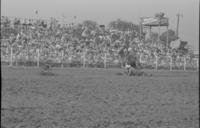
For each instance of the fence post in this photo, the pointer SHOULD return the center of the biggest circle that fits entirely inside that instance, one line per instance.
(171, 61)
(7, 50)
(11, 56)
(184, 64)
(62, 57)
(197, 65)
(105, 58)
(84, 57)
(156, 62)
(140, 59)
(38, 57)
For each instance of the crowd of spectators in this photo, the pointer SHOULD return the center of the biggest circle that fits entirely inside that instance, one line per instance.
(72, 42)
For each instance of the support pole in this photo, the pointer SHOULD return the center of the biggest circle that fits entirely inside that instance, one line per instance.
(150, 34)
(177, 26)
(167, 44)
(159, 30)
(140, 29)
(38, 57)
(11, 56)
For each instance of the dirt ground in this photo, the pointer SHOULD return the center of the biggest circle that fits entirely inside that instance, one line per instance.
(98, 98)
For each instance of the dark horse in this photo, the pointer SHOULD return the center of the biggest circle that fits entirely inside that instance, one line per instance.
(130, 58)
(130, 62)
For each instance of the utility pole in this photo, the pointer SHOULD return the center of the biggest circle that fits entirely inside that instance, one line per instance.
(177, 27)
(159, 29)
(140, 36)
(63, 19)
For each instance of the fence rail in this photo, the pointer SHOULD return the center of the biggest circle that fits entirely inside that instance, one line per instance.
(89, 58)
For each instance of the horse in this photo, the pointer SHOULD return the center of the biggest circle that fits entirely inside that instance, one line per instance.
(128, 57)
(131, 63)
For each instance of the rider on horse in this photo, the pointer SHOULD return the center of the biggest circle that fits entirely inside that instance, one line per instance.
(130, 60)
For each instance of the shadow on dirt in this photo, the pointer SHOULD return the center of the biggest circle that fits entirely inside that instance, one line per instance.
(47, 73)
(134, 73)
(119, 74)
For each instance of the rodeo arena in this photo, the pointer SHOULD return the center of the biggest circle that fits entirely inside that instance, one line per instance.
(86, 75)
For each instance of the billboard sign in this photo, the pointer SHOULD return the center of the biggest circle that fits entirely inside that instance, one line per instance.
(154, 21)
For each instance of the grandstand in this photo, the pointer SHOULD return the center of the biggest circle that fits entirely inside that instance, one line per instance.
(30, 41)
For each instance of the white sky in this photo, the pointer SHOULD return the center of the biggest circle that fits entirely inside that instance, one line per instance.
(104, 11)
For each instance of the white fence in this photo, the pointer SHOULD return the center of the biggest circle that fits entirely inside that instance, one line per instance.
(87, 58)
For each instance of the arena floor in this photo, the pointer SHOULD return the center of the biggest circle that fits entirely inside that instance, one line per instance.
(98, 98)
